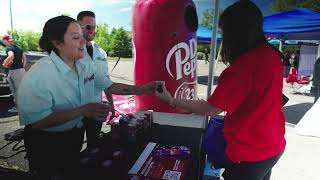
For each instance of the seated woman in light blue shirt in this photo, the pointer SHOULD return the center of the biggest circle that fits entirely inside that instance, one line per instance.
(55, 95)
(57, 90)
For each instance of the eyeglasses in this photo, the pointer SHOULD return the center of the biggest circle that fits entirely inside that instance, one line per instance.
(89, 27)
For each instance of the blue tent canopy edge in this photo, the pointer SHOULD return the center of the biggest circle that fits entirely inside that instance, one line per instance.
(297, 24)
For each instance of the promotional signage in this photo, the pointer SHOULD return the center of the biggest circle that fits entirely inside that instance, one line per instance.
(165, 48)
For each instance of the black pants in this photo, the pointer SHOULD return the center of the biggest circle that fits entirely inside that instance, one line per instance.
(53, 155)
(93, 129)
(286, 71)
(260, 170)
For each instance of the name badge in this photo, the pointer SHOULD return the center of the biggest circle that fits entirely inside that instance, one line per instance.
(88, 79)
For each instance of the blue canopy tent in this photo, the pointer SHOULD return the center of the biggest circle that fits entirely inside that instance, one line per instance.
(204, 34)
(297, 24)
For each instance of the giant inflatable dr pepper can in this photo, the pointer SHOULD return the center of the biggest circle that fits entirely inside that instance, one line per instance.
(165, 48)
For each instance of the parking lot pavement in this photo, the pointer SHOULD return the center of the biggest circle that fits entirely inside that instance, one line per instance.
(299, 161)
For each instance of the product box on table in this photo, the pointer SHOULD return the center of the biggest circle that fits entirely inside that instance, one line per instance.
(161, 162)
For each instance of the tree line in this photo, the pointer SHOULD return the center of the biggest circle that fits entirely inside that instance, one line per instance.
(117, 43)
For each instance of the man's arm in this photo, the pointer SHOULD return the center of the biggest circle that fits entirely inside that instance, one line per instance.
(24, 59)
(9, 60)
(125, 89)
(91, 110)
(196, 106)
(110, 100)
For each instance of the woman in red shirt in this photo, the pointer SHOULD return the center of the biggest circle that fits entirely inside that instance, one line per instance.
(250, 91)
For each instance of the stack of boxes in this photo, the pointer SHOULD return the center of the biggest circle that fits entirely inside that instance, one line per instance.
(131, 126)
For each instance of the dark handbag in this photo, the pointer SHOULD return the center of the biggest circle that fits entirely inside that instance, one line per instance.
(214, 143)
(285, 99)
(16, 135)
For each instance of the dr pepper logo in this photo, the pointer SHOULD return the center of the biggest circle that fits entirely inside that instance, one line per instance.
(185, 65)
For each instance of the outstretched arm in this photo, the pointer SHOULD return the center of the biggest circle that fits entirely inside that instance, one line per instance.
(108, 94)
(9, 60)
(125, 89)
(196, 106)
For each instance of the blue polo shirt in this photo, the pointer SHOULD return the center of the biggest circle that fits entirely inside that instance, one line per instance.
(99, 58)
(52, 86)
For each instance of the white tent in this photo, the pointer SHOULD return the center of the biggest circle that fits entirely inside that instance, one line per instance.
(309, 125)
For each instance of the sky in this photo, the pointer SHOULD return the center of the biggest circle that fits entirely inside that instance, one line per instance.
(32, 14)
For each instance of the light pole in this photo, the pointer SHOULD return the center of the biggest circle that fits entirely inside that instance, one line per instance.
(11, 16)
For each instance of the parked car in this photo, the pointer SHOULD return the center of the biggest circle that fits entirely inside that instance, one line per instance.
(4, 86)
(6, 99)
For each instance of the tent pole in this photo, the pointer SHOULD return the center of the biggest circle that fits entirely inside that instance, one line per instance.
(216, 62)
(213, 47)
(318, 49)
(280, 45)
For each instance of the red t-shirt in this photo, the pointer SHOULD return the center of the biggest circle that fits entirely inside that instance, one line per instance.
(250, 91)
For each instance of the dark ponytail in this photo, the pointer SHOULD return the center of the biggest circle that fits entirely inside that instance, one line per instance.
(45, 44)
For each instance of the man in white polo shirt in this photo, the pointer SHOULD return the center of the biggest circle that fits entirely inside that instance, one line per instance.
(98, 56)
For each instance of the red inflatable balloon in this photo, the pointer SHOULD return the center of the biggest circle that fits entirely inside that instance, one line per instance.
(164, 40)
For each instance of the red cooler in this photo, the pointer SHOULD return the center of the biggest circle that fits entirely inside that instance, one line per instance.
(165, 49)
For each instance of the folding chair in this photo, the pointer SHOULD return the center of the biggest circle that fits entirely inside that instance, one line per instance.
(303, 85)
